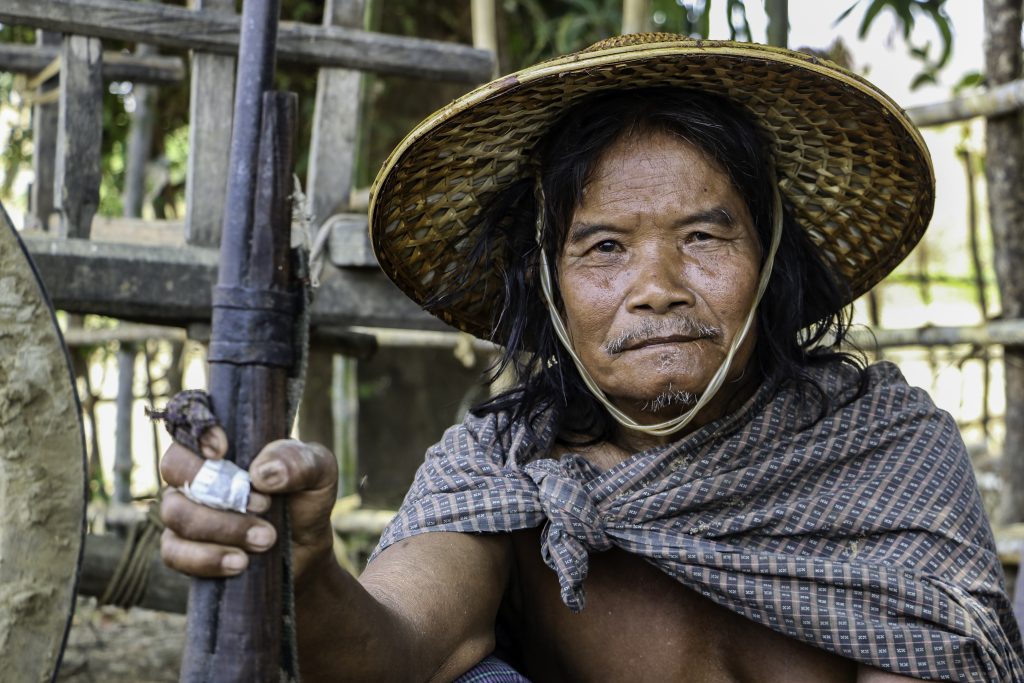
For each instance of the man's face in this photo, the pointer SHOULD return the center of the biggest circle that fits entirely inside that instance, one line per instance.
(658, 272)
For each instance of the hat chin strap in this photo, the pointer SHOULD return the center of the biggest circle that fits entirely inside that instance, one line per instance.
(677, 423)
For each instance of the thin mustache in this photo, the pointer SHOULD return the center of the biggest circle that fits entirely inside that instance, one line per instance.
(650, 329)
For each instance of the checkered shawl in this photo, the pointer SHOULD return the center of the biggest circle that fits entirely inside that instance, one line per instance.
(861, 533)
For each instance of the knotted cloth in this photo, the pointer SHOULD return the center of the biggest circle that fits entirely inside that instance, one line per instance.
(860, 531)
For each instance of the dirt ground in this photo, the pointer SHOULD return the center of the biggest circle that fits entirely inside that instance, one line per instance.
(112, 645)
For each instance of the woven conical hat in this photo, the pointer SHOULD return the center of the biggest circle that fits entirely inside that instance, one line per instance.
(851, 165)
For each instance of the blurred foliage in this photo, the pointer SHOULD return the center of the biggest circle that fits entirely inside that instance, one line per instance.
(907, 13)
(528, 31)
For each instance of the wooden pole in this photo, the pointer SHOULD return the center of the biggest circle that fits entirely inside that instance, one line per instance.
(44, 145)
(234, 631)
(209, 137)
(140, 140)
(123, 464)
(1004, 171)
(79, 135)
(332, 157)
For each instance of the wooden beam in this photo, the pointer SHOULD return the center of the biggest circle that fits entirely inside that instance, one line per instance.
(348, 245)
(166, 589)
(172, 286)
(178, 27)
(332, 155)
(79, 135)
(335, 124)
(44, 140)
(211, 111)
(45, 74)
(137, 334)
(117, 66)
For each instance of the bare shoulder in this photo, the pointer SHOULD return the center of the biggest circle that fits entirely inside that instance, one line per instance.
(467, 563)
(447, 587)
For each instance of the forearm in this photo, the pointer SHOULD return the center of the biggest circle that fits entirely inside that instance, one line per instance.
(423, 610)
(344, 633)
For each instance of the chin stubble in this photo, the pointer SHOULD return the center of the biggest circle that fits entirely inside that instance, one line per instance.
(669, 398)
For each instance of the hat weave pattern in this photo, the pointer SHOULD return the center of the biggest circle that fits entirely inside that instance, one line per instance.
(851, 166)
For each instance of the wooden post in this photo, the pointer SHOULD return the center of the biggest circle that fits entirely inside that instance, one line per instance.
(79, 134)
(209, 138)
(332, 157)
(335, 123)
(123, 434)
(140, 140)
(1004, 171)
(44, 144)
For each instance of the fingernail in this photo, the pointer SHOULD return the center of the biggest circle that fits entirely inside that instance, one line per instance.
(258, 503)
(213, 441)
(234, 562)
(272, 474)
(259, 536)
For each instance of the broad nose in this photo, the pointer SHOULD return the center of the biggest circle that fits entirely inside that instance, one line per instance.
(658, 285)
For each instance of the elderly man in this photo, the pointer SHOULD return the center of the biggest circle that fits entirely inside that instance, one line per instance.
(691, 481)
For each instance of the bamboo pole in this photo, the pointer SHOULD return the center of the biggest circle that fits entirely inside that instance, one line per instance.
(485, 28)
(979, 282)
(1001, 332)
(123, 461)
(778, 22)
(635, 16)
(998, 100)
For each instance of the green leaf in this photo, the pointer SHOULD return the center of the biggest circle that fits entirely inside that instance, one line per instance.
(846, 13)
(923, 78)
(972, 79)
(869, 16)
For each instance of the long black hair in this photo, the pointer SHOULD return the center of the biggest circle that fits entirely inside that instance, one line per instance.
(801, 320)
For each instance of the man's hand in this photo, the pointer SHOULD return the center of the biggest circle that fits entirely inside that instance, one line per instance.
(205, 542)
(424, 610)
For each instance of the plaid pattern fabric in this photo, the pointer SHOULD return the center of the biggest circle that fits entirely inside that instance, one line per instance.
(861, 533)
(492, 670)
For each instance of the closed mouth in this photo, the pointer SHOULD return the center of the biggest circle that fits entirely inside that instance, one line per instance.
(656, 341)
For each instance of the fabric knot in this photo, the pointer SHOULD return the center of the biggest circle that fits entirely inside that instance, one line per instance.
(574, 527)
(187, 416)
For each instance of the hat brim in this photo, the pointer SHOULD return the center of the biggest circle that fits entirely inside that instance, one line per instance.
(854, 170)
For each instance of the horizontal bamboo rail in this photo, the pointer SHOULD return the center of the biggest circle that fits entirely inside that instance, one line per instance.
(996, 332)
(997, 101)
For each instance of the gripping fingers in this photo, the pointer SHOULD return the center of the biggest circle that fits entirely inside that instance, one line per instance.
(193, 522)
(287, 466)
(180, 465)
(207, 560)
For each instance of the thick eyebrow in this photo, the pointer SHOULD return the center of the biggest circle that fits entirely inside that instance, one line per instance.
(580, 232)
(717, 215)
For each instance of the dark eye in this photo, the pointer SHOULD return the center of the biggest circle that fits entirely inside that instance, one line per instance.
(700, 236)
(606, 246)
